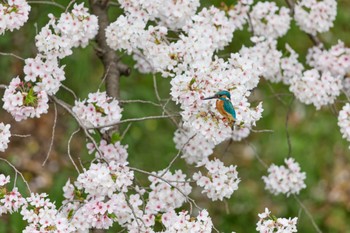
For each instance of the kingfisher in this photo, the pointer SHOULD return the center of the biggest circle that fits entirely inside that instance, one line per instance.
(224, 106)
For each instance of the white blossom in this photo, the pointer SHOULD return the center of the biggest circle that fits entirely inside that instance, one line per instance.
(336, 60)
(219, 182)
(98, 110)
(287, 179)
(344, 121)
(163, 196)
(195, 148)
(5, 134)
(13, 14)
(269, 20)
(315, 88)
(22, 100)
(315, 16)
(182, 222)
(271, 224)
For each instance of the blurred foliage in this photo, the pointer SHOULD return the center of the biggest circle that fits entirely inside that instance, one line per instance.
(314, 135)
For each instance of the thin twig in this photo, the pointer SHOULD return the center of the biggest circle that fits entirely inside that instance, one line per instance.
(67, 107)
(276, 95)
(250, 22)
(133, 213)
(132, 120)
(69, 5)
(12, 55)
(308, 214)
(126, 130)
(177, 155)
(17, 172)
(287, 132)
(155, 87)
(104, 78)
(257, 155)
(48, 3)
(188, 199)
(139, 101)
(262, 130)
(21, 135)
(52, 135)
(70, 91)
(68, 149)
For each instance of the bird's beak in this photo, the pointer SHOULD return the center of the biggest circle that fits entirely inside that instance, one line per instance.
(209, 98)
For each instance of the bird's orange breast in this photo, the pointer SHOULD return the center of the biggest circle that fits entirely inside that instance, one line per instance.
(220, 107)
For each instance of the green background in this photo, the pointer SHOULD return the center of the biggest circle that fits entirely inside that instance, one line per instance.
(314, 135)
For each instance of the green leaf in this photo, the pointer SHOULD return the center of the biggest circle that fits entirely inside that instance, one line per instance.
(116, 137)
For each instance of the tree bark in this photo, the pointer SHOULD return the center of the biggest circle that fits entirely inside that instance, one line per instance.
(113, 68)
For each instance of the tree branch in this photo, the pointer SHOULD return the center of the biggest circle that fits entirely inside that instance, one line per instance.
(112, 66)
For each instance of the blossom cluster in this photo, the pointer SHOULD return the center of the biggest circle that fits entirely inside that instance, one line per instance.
(190, 61)
(315, 16)
(29, 98)
(219, 182)
(42, 215)
(315, 87)
(164, 196)
(287, 179)
(13, 14)
(10, 201)
(103, 180)
(5, 134)
(109, 151)
(344, 121)
(43, 74)
(269, 21)
(182, 222)
(72, 29)
(271, 224)
(238, 75)
(98, 110)
(22, 101)
(336, 60)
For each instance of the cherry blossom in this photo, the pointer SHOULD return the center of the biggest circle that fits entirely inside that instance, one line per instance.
(182, 222)
(271, 224)
(72, 29)
(103, 180)
(336, 60)
(316, 88)
(344, 121)
(195, 148)
(219, 182)
(315, 16)
(45, 73)
(287, 179)
(22, 100)
(5, 134)
(163, 196)
(109, 152)
(13, 15)
(11, 201)
(269, 20)
(98, 110)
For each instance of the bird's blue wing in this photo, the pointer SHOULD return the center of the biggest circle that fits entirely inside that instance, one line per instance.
(228, 107)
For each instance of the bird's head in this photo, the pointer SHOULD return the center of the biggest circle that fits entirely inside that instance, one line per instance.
(222, 95)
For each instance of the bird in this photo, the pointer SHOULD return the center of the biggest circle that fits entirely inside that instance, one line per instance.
(224, 105)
